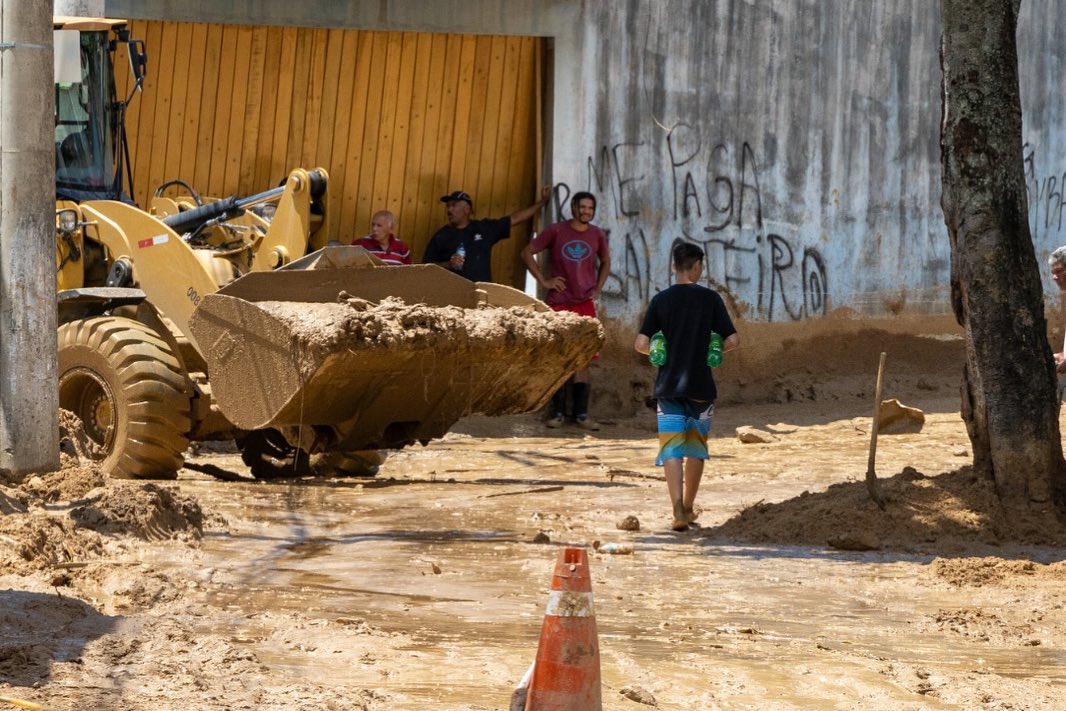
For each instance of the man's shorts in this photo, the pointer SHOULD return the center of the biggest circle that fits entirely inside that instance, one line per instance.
(585, 308)
(683, 428)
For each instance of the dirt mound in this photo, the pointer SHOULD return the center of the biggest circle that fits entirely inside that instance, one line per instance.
(147, 511)
(956, 511)
(69, 515)
(38, 540)
(824, 360)
(978, 572)
(74, 480)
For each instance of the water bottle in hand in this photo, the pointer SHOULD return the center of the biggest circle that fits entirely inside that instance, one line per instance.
(460, 252)
(714, 350)
(657, 352)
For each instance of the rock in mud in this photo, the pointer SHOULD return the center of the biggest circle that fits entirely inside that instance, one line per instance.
(638, 694)
(855, 541)
(897, 418)
(629, 523)
(753, 435)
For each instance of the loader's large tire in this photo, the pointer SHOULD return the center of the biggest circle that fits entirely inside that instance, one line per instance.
(124, 383)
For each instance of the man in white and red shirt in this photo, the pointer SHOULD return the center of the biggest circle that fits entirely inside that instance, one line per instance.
(382, 243)
(580, 262)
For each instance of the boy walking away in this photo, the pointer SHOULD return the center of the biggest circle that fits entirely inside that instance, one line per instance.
(580, 264)
(686, 314)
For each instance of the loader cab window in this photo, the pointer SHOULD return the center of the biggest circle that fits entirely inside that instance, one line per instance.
(85, 157)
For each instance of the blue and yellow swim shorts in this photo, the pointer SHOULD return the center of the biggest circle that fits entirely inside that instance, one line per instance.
(683, 428)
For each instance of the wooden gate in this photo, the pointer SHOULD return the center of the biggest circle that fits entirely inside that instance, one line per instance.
(398, 119)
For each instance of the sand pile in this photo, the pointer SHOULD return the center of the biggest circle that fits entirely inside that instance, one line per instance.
(956, 511)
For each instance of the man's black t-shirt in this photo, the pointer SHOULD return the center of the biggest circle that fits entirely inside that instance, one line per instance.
(686, 314)
(478, 237)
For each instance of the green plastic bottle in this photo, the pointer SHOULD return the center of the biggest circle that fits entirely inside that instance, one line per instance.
(714, 350)
(657, 352)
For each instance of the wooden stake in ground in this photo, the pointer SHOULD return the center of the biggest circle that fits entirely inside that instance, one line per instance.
(871, 475)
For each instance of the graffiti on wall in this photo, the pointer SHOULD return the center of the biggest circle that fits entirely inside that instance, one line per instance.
(1047, 195)
(715, 192)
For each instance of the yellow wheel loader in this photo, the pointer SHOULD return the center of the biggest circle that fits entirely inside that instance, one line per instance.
(208, 321)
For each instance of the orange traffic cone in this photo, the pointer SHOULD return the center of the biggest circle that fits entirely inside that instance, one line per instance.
(566, 674)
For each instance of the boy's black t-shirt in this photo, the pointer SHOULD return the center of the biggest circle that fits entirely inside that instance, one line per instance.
(686, 314)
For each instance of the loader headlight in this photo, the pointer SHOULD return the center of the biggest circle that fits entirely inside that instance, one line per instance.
(67, 221)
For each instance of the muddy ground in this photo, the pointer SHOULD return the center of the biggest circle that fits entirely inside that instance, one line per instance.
(425, 587)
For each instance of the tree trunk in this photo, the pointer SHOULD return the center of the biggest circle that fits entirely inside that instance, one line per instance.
(1008, 392)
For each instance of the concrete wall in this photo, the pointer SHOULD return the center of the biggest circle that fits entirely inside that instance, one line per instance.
(798, 140)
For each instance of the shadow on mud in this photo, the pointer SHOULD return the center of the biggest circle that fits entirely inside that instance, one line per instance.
(39, 630)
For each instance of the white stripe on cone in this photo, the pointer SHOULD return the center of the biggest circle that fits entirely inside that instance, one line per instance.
(563, 603)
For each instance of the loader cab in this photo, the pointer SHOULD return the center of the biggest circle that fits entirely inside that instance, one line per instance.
(92, 156)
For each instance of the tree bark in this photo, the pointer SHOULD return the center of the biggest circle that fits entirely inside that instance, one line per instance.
(1009, 398)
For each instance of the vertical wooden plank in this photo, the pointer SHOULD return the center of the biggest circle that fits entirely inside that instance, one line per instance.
(536, 54)
(505, 163)
(443, 76)
(124, 85)
(402, 131)
(227, 137)
(157, 166)
(333, 85)
(252, 108)
(171, 147)
(282, 91)
(261, 174)
(210, 116)
(141, 150)
(307, 98)
(415, 199)
(395, 101)
(475, 153)
(520, 130)
(372, 129)
(337, 124)
(460, 172)
(490, 71)
(198, 85)
(356, 137)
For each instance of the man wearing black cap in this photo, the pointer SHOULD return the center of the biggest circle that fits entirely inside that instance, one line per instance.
(465, 245)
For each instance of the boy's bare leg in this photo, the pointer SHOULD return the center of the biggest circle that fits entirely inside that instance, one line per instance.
(693, 475)
(675, 475)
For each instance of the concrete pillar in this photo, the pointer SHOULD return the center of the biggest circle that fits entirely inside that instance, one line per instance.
(79, 8)
(29, 394)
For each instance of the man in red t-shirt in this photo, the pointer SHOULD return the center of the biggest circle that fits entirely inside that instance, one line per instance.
(382, 243)
(580, 263)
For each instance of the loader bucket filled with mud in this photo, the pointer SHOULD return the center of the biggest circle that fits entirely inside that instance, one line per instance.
(339, 352)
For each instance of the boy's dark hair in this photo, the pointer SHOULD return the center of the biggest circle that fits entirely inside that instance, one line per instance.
(578, 197)
(686, 255)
